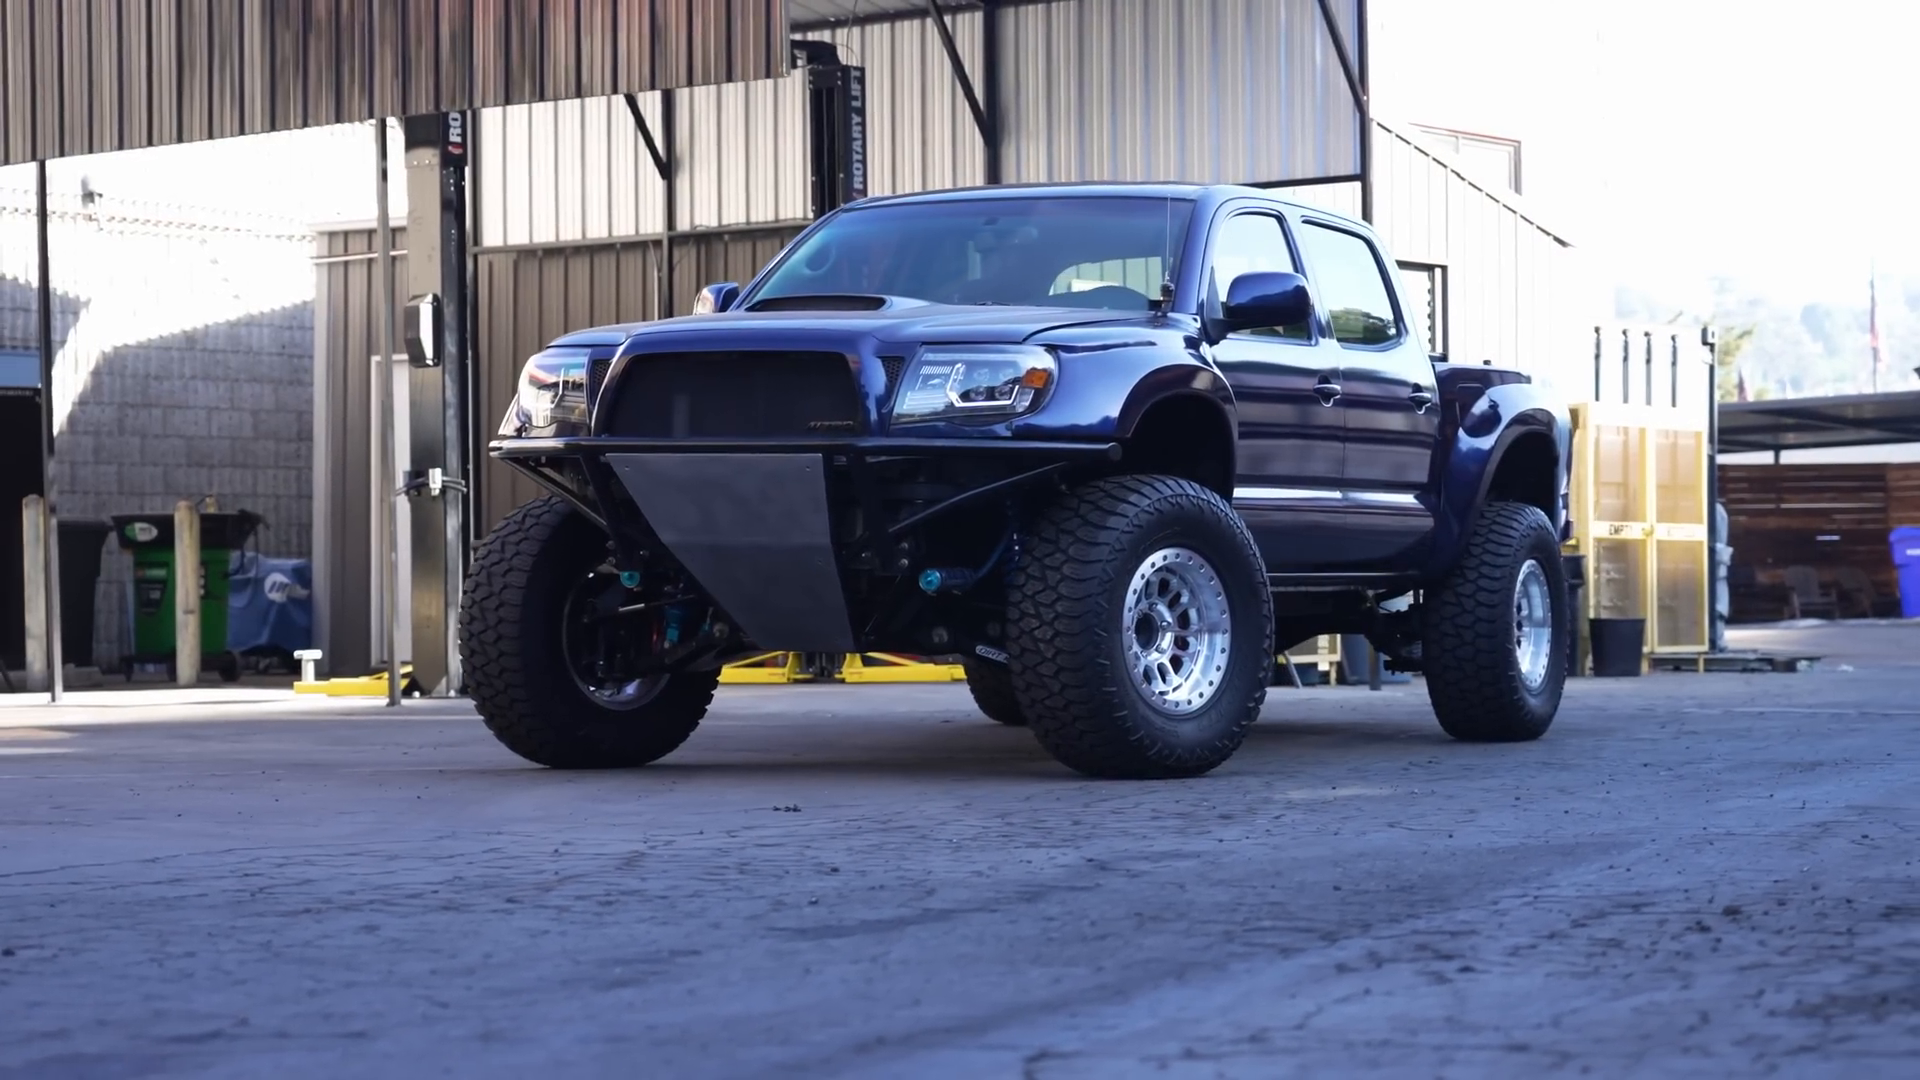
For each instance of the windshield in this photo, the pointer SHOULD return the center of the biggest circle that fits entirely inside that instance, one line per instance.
(1058, 251)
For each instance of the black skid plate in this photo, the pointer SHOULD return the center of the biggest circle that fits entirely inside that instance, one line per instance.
(754, 531)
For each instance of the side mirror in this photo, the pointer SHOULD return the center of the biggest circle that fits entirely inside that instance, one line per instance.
(1265, 298)
(716, 298)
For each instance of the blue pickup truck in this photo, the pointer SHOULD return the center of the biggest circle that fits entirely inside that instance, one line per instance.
(1116, 445)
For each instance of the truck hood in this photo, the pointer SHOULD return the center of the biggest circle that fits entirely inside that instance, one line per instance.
(900, 322)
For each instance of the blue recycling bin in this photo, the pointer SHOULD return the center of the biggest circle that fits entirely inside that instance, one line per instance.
(1906, 563)
(270, 605)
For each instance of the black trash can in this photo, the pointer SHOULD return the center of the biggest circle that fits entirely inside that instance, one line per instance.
(1576, 569)
(1617, 645)
(83, 541)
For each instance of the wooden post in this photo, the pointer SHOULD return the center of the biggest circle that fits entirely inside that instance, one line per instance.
(33, 545)
(186, 593)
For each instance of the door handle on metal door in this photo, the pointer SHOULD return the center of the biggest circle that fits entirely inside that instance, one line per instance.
(1327, 390)
(1420, 398)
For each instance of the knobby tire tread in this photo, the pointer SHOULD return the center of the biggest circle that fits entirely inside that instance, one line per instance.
(1061, 627)
(510, 656)
(992, 688)
(1472, 679)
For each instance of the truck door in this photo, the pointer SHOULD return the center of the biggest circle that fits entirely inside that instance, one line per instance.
(1292, 442)
(1391, 410)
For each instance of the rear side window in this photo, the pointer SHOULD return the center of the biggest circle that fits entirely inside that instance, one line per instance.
(1351, 284)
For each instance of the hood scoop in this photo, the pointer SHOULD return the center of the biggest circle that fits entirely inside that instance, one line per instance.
(827, 302)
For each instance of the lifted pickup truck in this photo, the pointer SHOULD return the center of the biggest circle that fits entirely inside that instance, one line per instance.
(1114, 444)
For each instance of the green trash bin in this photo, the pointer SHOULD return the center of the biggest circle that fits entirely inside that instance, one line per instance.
(149, 538)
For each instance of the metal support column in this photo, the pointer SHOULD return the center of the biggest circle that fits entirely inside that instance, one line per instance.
(986, 123)
(990, 91)
(1366, 110)
(389, 531)
(663, 301)
(836, 127)
(56, 677)
(1353, 67)
(1710, 337)
(436, 348)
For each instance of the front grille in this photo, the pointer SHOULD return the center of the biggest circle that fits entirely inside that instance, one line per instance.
(735, 395)
(596, 375)
(893, 366)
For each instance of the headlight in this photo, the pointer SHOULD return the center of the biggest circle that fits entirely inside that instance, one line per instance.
(552, 387)
(987, 382)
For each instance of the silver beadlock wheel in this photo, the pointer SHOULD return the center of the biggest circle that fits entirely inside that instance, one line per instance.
(1532, 624)
(1178, 630)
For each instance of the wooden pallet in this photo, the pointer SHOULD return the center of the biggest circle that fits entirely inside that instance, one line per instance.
(1740, 661)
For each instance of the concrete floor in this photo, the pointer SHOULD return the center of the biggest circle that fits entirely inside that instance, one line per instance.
(1691, 875)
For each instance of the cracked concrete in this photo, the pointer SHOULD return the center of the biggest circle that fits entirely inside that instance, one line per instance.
(1689, 876)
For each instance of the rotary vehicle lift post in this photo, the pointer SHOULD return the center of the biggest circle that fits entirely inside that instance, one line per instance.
(437, 349)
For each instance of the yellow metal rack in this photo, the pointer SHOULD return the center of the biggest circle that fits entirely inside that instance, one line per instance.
(894, 668)
(374, 685)
(1321, 653)
(1639, 508)
(766, 669)
(775, 668)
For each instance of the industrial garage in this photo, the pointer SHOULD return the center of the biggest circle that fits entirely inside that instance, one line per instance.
(613, 208)
(554, 197)
(871, 873)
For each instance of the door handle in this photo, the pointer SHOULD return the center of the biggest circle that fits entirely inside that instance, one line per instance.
(1420, 398)
(1327, 391)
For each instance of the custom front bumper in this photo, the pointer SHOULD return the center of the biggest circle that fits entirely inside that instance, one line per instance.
(752, 520)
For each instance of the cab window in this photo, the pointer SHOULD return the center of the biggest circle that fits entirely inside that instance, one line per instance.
(1250, 243)
(1352, 284)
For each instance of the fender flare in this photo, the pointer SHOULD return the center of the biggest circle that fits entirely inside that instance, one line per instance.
(1472, 463)
(1183, 382)
(1534, 421)
(1177, 381)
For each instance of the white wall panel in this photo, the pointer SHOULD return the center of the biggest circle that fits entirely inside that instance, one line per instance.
(577, 170)
(566, 170)
(1516, 294)
(1235, 91)
(742, 153)
(1337, 198)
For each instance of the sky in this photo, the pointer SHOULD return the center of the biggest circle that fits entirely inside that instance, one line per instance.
(322, 175)
(1677, 139)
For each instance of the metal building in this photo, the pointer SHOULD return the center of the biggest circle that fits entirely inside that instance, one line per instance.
(613, 207)
(1500, 284)
(108, 75)
(619, 207)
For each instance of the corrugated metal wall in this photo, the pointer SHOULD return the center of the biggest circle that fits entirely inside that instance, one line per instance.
(526, 298)
(1232, 91)
(529, 297)
(577, 170)
(348, 332)
(1516, 293)
(1226, 91)
(87, 76)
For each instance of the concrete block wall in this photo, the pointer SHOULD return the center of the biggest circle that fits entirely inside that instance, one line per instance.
(183, 367)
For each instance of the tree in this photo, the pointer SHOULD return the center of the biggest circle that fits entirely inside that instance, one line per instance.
(1733, 341)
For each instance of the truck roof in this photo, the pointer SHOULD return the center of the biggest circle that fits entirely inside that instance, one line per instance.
(1208, 193)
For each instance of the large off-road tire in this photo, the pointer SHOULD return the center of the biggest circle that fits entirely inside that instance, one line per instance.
(1494, 648)
(1139, 629)
(992, 687)
(517, 672)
